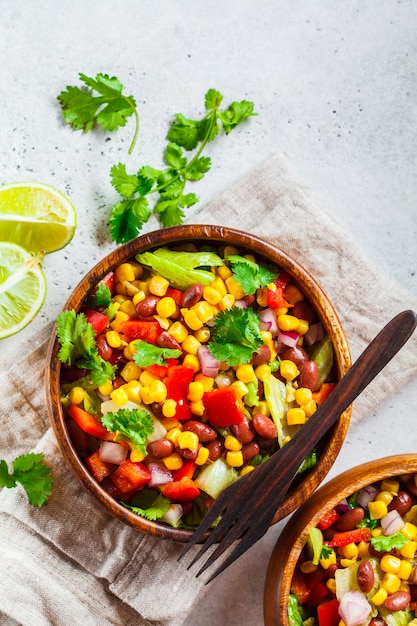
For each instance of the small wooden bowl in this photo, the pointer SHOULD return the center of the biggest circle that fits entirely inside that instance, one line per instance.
(200, 234)
(294, 535)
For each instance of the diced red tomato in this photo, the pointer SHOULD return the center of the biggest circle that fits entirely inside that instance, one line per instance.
(187, 469)
(328, 613)
(130, 476)
(160, 371)
(183, 490)
(99, 469)
(177, 382)
(276, 299)
(349, 536)
(327, 520)
(88, 423)
(223, 407)
(98, 320)
(175, 294)
(317, 593)
(147, 330)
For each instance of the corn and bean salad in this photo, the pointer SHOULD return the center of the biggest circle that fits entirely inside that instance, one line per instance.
(185, 369)
(359, 565)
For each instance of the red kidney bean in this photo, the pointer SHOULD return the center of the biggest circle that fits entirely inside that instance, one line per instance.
(264, 443)
(160, 448)
(264, 426)
(244, 431)
(72, 373)
(79, 437)
(215, 449)
(401, 502)
(166, 341)
(263, 356)
(103, 348)
(249, 299)
(204, 432)
(365, 576)
(350, 519)
(297, 354)
(377, 621)
(309, 375)
(330, 571)
(249, 451)
(186, 453)
(304, 311)
(192, 295)
(118, 382)
(147, 306)
(397, 601)
(156, 408)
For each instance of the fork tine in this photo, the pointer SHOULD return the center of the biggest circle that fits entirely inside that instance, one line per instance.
(233, 534)
(210, 517)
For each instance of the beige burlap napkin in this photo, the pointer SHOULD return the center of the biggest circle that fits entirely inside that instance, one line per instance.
(70, 562)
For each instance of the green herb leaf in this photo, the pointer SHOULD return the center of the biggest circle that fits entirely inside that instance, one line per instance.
(383, 543)
(127, 219)
(153, 511)
(147, 354)
(235, 336)
(110, 109)
(32, 473)
(250, 275)
(101, 297)
(133, 426)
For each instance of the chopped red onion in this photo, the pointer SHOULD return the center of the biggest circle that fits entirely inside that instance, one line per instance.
(112, 452)
(269, 321)
(159, 475)
(208, 364)
(354, 608)
(173, 515)
(241, 304)
(223, 379)
(314, 334)
(342, 507)
(392, 523)
(288, 338)
(366, 495)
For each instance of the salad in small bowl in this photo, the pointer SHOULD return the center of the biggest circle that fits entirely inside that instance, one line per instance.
(182, 361)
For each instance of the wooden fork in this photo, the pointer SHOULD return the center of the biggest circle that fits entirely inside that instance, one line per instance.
(246, 508)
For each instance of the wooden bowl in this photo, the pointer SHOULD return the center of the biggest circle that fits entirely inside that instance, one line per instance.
(200, 234)
(294, 535)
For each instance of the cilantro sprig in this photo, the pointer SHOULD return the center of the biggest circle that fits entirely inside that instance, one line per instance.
(32, 473)
(128, 216)
(235, 336)
(146, 505)
(109, 109)
(133, 426)
(383, 543)
(147, 354)
(249, 274)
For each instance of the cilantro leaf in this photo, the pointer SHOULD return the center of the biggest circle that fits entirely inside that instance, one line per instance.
(150, 510)
(383, 543)
(147, 354)
(127, 219)
(133, 426)
(249, 274)
(101, 297)
(110, 109)
(32, 473)
(78, 346)
(236, 335)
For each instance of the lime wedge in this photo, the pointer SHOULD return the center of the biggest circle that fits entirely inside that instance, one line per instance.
(36, 217)
(22, 288)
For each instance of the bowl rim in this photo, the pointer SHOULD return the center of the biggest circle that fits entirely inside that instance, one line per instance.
(177, 235)
(293, 535)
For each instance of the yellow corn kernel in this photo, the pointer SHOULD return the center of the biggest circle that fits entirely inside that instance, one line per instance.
(121, 290)
(379, 597)
(202, 334)
(234, 458)
(384, 496)
(119, 396)
(133, 388)
(212, 295)
(158, 285)
(409, 530)
(363, 549)
(191, 319)
(202, 456)
(347, 562)
(232, 443)
(288, 369)
(206, 381)
(240, 388)
(173, 461)
(390, 582)
(195, 391)
(309, 408)
(118, 300)
(204, 311)
(405, 570)
(169, 408)
(219, 285)
(138, 297)
(331, 559)
(390, 484)
(178, 331)
(293, 294)
(229, 250)
(296, 416)
(188, 440)
(234, 288)
(246, 470)
(113, 338)
(131, 371)
(227, 302)
(169, 422)
(390, 563)
(106, 389)
(377, 532)
(191, 345)
(223, 272)
(287, 322)
(331, 585)
(145, 394)
(409, 550)
(350, 551)
(164, 322)
(245, 373)
(120, 318)
(303, 395)
(136, 456)
(307, 567)
(302, 327)
(262, 296)
(166, 306)
(173, 435)
(158, 391)
(261, 371)
(128, 307)
(191, 360)
(144, 286)
(262, 408)
(125, 272)
(77, 394)
(377, 509)
(146, 378)
(197, 408)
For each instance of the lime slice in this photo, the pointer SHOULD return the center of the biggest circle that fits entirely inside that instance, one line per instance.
(22, 288)
(36, 217)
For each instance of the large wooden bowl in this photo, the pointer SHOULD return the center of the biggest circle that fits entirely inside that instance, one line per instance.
(294, 535)
(201, 234)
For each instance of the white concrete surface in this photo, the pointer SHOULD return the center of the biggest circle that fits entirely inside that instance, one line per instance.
(334, 84)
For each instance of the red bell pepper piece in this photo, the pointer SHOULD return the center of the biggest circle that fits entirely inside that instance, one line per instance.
(223, 407)
(328, 613)
(317, 594)
(147, 330)
(276, 299)
(328, 520)
(98, 320)
(349, 536)
(177, 382)
(325, 390)
(187, 469)
(109, 280)
(88, 423)
(99, 469)
(130, 476)
(184, 490)
(282, 279)
(175, 294)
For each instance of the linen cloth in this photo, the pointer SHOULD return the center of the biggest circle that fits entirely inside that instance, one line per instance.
(70, 562)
